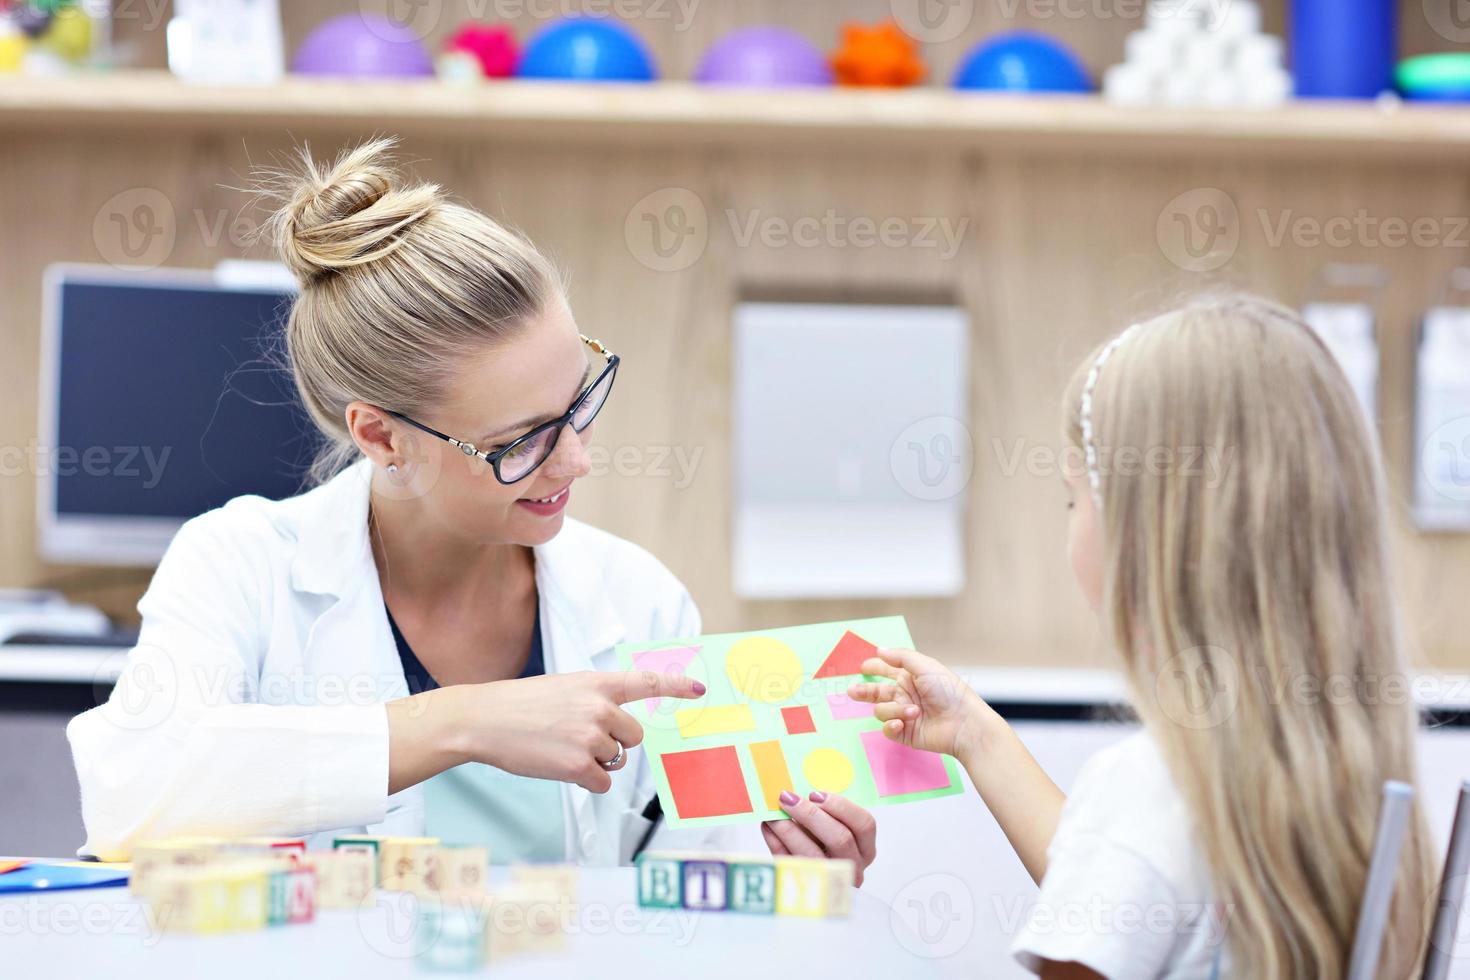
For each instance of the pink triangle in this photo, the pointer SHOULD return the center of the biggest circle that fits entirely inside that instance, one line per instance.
(847, 656)
(668, 660)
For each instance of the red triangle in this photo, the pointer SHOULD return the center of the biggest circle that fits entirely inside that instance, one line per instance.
(847, 656)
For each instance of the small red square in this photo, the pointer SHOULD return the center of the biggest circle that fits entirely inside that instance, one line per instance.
(707, 782)
(798, 720)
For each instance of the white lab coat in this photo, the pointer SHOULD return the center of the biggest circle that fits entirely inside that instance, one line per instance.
(254, 701)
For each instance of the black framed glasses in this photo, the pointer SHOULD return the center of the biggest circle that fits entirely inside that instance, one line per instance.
(519, 459)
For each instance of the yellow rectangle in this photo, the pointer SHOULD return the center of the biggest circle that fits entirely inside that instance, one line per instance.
(718, 720)
(771, 771)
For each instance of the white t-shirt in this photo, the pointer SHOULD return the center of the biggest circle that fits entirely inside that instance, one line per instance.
(1127, 890)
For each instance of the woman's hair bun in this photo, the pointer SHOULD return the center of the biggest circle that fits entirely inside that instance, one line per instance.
(352, 211)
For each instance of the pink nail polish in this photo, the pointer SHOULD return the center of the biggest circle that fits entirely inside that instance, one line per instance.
(789, 798)
(698, 689)
(819, 797)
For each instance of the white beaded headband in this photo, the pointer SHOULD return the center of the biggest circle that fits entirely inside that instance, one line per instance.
(1089, 446)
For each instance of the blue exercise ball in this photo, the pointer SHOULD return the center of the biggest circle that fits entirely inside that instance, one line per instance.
(1023, 61)
(586, 50)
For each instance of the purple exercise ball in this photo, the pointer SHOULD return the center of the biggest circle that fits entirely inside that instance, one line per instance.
(362, 46)
(764, 56)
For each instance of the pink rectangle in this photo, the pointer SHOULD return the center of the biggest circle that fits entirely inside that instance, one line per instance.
(844, 707)
(898, 769)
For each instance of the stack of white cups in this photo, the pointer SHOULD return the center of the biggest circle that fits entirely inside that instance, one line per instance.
(1200, 53)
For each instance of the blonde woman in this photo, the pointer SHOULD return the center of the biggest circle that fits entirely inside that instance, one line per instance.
(1255, 618)
(424, 642)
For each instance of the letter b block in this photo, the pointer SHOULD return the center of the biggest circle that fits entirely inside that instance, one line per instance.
(660, 881)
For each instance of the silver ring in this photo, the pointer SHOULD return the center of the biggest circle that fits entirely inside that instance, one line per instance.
(615, 761)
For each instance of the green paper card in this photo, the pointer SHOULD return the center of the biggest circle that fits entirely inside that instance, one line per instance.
(776, 716)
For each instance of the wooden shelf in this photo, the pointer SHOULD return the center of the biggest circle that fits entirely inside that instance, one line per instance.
(675, 112)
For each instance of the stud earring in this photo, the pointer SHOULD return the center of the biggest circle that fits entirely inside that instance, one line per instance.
(392, 467)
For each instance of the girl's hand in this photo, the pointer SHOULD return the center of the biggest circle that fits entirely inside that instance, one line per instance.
(560, 726)
(824, 825)
(924, 706)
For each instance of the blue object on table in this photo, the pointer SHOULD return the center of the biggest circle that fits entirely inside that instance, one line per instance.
(40, 876)
(1435, 77)
(1343, 49)
(586, 50)
(1023, 61)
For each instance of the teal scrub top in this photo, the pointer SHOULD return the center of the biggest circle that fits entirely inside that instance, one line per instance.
(519, 819)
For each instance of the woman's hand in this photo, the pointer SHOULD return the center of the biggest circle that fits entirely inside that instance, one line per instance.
(560, 726)
(824, 825)
(924, 706)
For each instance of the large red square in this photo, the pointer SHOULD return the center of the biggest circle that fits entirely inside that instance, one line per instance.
(707, 782)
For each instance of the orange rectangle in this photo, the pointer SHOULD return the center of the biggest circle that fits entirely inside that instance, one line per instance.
(770, 769)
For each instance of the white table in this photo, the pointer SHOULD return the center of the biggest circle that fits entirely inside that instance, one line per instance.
(104, 933)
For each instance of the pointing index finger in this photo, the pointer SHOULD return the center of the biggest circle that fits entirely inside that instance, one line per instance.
(635, 685)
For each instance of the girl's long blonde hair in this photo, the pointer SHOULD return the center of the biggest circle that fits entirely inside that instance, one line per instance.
(1251, 601)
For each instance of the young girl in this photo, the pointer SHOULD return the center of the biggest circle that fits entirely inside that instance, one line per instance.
(1253, 611)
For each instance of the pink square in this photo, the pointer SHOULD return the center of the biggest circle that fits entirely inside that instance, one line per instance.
(844, 707)
(898, 769)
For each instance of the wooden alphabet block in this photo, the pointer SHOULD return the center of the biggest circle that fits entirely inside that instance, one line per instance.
(278, 901)
(300, 895)
(751, 886)
(455, 931)
(704, 884)
(560, 880)
(407, 863)
(174, 852)
(660, 881)
(524, 920)
(288, 848)
(367, 843)
(460, 869)
(813, 887)
(211, 899)
(344, 877)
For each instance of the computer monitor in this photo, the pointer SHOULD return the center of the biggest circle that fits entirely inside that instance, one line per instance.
(159, 401)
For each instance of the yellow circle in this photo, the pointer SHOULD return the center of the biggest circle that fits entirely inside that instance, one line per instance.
(764, 669)
(827, 770)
